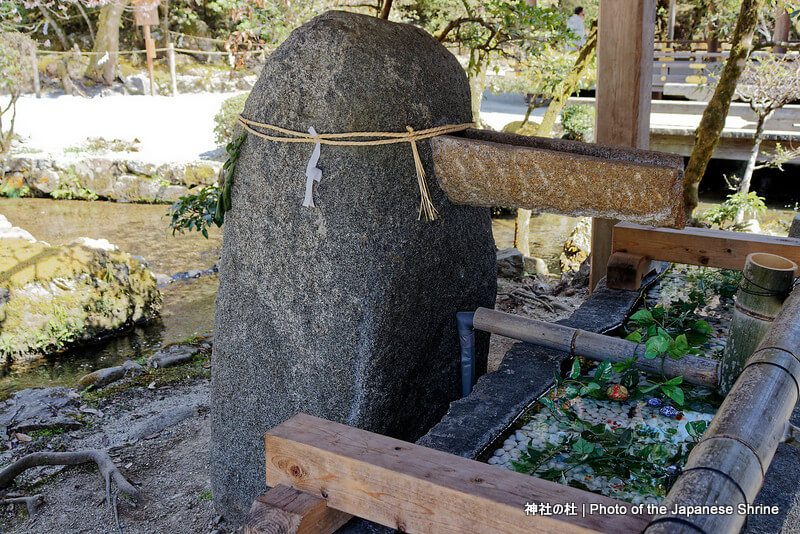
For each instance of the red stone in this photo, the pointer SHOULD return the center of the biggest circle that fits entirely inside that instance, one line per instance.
(617, 392)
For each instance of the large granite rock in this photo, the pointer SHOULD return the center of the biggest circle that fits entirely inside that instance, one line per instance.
(53, 298)
(345, 311)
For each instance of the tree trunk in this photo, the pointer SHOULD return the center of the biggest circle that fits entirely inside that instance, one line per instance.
(522, 231)
(673, 8)
(86, 20)
(51, 22)
(744, 185)
(710, 128)
(582, 64)
(165, 24)
(103, 68)
(477, 82)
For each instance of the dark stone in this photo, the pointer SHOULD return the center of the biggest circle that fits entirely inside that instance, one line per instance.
(345, 311)
(173, 355)
(36, 409)
(510, 263)
(101, 378)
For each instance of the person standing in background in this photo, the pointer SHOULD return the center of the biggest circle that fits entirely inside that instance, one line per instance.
(575, 24)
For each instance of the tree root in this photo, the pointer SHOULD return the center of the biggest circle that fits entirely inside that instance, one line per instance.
(104, 464)
(32, 503)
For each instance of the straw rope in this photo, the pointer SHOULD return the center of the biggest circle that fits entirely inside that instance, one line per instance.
(410, 136)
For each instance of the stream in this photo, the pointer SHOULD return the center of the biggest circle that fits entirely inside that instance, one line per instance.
(188, 309)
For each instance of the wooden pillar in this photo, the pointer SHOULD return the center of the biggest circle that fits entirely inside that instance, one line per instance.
(626, 31)
(782, 26)
(150, 52)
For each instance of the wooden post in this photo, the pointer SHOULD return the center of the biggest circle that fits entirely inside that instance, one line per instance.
(285, 510)
(150, 52)
(766, 279)
(171, 61)
(37, 87)
(728, 466)
(783, 25)
(626, 34)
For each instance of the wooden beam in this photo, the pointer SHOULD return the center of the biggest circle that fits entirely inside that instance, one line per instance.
(419, 490)
(285, 510)
(700, 246)
(626, 271)
(481, 168)
(625, 40)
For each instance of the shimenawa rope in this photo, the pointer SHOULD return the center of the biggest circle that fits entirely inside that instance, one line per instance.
(411, 136)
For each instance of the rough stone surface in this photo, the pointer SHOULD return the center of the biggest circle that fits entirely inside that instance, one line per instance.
(482, 168)
(173, 355)
(108, 178)
(35, 409)
(55, 298)
(101, 378)
(782, 488)
(510, 263)
(345, 311)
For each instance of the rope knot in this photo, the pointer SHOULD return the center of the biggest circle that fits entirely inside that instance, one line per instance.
(411, 136)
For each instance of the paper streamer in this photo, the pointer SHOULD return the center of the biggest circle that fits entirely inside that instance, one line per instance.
(313, 173)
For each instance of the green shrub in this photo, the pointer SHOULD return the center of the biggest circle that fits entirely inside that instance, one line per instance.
(738, 204)
(194, 211)
(225, 120)
(578, 122)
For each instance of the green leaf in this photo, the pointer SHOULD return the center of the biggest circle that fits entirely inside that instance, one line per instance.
(581, 446)
(674, 381)
(696, 428)
(643, 317)
(674, 392)
(549, 403)
(575, 372)
(603, 371)
(635, 336)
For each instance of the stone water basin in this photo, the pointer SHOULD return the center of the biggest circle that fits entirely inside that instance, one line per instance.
(548, 437)
(546, 432)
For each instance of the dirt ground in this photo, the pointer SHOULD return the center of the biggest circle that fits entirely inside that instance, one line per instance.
(168, 467)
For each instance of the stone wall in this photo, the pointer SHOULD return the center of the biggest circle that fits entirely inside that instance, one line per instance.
(120, 180)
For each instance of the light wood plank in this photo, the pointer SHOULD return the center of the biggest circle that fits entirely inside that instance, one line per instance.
(419, 490)
(700, 246)
(625, 42)
(285, 510)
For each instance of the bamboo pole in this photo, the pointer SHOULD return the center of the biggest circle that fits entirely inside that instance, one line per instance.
(727, 467)
(766, 280)
(693, 369)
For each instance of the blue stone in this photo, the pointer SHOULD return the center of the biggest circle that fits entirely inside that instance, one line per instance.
(668, 411)
(654, 402)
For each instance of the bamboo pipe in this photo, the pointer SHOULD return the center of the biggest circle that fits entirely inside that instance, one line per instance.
(766, 281)
(727, 467)
(693, 369)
